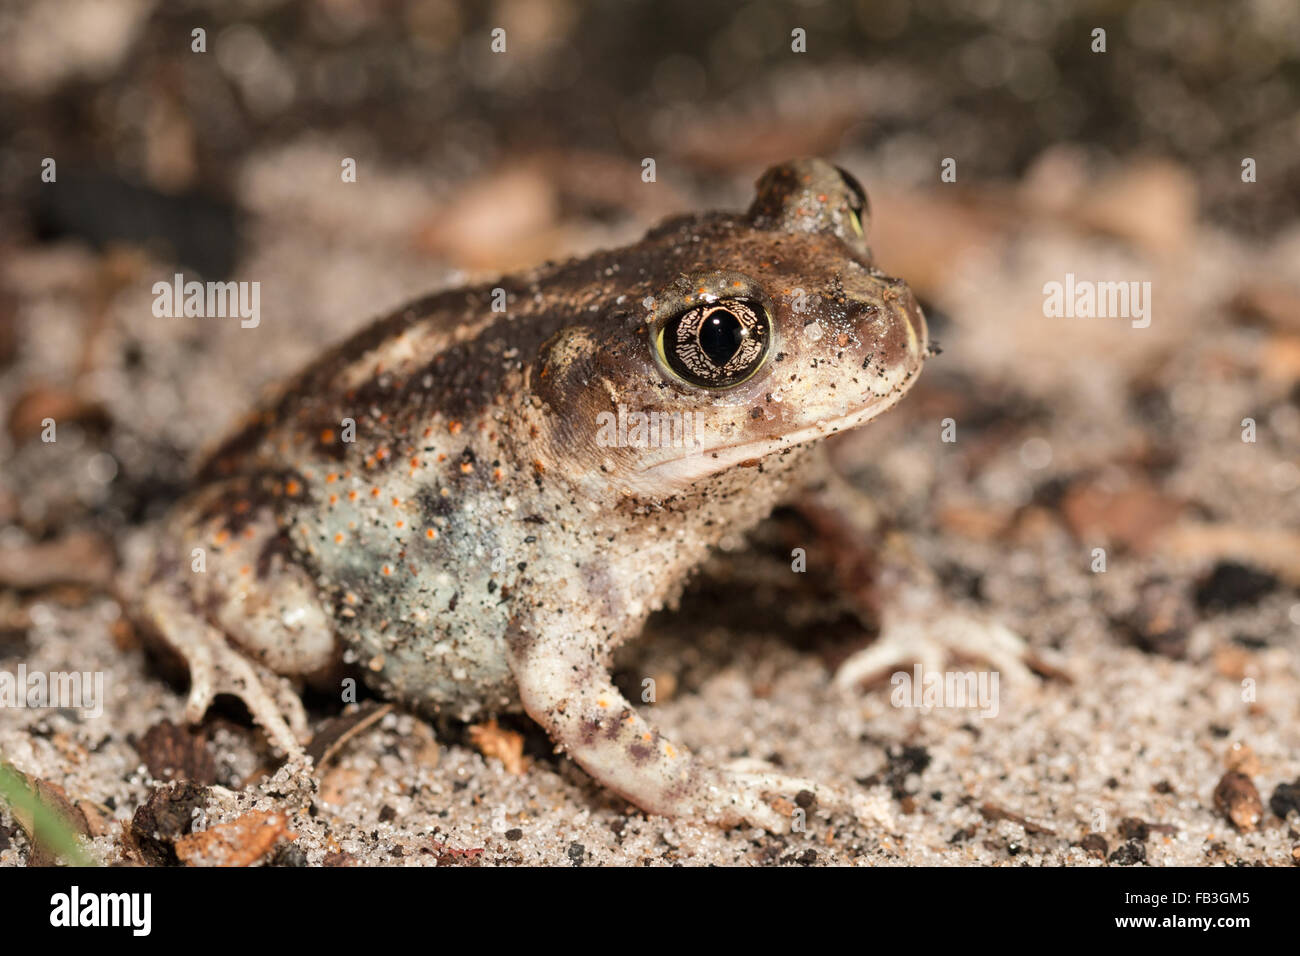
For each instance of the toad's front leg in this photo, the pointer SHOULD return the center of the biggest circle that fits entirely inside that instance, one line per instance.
(893, 588)
(564, 684)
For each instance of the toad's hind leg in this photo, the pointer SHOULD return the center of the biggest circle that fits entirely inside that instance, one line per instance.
(217, 668)
(232, 601)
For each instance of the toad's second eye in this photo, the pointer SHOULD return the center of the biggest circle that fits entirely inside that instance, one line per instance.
(716, 345)
(858, 206)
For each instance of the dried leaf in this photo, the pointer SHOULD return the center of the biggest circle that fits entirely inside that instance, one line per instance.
(506, 745)
(240, 842)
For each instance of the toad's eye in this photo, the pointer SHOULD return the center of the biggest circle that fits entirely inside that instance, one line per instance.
(716, 345)
(857, 198)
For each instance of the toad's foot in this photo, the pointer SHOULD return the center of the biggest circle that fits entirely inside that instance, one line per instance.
(888, 585)
(217, 668)
(753, 792)
(931, 636)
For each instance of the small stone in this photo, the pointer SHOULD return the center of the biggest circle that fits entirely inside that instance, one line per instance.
(1131, 828)
(178, 753)
(1286, 798)
(289, 854)
(1160, 620)
(1094, 844)
(1238, 800)
(167, 816)
(1232, 585)
(1129, 854)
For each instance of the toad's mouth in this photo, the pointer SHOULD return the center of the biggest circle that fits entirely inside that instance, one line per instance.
(699, 463)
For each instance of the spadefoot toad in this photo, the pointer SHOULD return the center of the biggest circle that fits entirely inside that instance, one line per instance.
(480, 496)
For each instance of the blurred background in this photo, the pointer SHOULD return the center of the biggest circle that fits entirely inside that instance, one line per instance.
(471, 162)
(1074, 434)
(226, 162)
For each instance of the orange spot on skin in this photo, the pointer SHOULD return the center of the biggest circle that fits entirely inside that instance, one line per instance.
(441, 459)
(374, 492)
(497, 475)
(352, 496)
(292, 488)
(222, 536)
(338, 538)
(668, 749)
(245, 570)
(331, 478)
(454, 427)
(466, 468)
(397, 502)
(241, 507)
(428, 433)
(381, 454)
(327, 436)
(415, 463)
(249, 532)
(401, 524)
(387, 570)
(430, 533)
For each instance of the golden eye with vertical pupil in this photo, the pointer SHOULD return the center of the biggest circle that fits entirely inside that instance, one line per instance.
(717, 345)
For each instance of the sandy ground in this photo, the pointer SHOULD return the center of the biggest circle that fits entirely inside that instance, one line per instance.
(1155, 678)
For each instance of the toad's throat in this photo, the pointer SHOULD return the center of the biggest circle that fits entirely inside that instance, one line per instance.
(699, 463)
